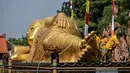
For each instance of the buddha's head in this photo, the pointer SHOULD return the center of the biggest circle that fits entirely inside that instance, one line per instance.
(32, 31)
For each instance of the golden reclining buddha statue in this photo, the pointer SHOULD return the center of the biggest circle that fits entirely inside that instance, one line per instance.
(61, 32)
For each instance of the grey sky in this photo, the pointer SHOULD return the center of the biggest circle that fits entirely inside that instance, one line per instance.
(17, 15)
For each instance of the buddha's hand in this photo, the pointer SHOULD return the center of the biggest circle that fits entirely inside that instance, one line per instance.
(62, 23)
(61, 20)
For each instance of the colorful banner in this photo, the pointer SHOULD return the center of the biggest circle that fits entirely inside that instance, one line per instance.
(72, 9)
(113, 5)
(87, 17)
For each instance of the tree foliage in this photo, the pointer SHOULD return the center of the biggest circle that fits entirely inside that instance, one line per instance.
(19, 41)
(100, 15)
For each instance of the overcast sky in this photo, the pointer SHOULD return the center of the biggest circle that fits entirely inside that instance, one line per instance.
(17, 15)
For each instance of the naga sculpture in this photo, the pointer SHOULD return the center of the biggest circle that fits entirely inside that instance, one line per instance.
(62, 33)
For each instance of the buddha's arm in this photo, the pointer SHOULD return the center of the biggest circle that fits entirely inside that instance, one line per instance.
(23, 49)
(20, 57)
(20, 53)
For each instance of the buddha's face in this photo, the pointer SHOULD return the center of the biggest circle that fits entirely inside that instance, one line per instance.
(32, 31)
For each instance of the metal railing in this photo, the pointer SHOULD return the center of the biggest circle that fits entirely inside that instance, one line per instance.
(17, 67)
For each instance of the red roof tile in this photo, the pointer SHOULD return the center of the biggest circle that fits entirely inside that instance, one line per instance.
(3, 44)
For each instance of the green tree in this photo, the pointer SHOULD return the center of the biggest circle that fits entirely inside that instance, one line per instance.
(105, 20)
(100, 13)
(19, 41)
(95, 16)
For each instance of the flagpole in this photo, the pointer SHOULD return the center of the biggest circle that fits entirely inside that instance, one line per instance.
(113, 5)
(72, 11)
(86, 17)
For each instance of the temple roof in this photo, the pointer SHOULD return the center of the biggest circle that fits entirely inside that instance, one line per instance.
(3, 44)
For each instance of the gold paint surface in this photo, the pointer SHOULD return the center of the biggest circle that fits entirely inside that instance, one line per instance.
(59, 32)
(20, 53)
(32, 31)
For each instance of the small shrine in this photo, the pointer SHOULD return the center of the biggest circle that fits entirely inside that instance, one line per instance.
(3, 47)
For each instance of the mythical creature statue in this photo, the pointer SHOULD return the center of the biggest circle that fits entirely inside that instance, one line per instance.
(128, 35)
(62, 33)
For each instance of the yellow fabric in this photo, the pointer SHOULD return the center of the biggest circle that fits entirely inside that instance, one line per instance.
(87, 6)
(97, 41)
(70, 1)
(72, 14)
(104, 42)
(113, 40)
